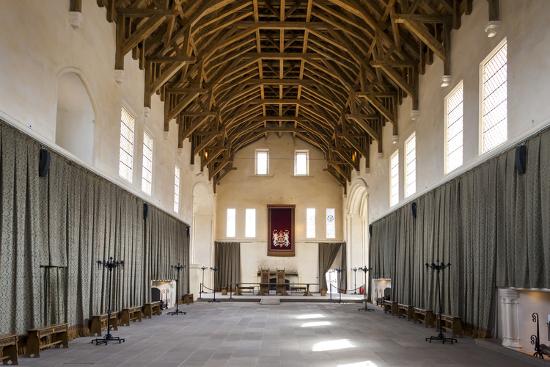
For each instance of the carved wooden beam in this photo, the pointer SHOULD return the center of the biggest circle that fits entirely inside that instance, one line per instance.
(361, 120)
(125, 45)
(494, 10)
(75, 5)
(290, 68)
(420, 31)
(379, 106)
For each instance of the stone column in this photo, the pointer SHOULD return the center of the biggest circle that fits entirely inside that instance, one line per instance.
(509, 300)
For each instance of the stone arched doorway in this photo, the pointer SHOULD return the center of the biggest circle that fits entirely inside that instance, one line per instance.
(357, 231)
(75, 121)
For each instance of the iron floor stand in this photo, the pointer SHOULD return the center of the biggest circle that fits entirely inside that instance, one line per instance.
(214, 300)
(365, 307)
(108, 338)
(438, 267)
(109, 265)
(441, 338)
(177, 311)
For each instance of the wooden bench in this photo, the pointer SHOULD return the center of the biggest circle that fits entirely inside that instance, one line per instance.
(150, 309)
(425, 317)
(98, 323)
(390, 307)
(387, 305)
(187, 299)
(130, 314)
(405, 311)
(8, 349)
(249, 289)
(451, 324)
(51, 336)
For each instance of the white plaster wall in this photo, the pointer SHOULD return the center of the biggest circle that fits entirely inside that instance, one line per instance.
(525, 25)
(202, 251)
(37, 44)
(241, 189)
(75, 118)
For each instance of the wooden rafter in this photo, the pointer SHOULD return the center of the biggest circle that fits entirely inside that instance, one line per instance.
(329, 72)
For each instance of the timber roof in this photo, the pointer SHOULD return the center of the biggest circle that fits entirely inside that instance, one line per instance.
(329, 72)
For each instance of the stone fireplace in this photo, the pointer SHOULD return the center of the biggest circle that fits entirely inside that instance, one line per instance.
(516, 306)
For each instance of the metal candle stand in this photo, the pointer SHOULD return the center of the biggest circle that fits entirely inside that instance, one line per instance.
(109, 265)
(439, 267)
(214, 269)
(365, 307)
(338, 271)
(177, 311)
(203, 268)
(354, 280)
(540, 349)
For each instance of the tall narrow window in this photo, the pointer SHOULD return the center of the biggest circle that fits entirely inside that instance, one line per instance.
(410, 165)
(177, 189)
(454, 127)
(494, 97)
(331, 223)
(262, 162)
(230, 223)
(147, 166)
(310, 223)
(126, 153)
(301, 163)
(394, 178)
(250, 223)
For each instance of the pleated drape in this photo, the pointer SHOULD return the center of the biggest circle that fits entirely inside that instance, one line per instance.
(227, 257)
(490, 223)
(166, 245)
(53, 231)
(342, 278)
(327, 255)
(21, 241)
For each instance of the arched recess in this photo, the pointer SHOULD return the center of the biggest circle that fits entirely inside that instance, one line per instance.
(357, 230)
(202, 235)
(75, 122)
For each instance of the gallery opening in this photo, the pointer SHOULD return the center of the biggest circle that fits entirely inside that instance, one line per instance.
(292, 183)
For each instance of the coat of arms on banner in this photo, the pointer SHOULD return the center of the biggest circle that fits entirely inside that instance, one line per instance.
(281, 238)
(280, 235)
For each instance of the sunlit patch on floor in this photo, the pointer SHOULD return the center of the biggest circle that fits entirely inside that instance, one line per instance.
(316, 323)
(359, 364)
(332, 345)
(310, 316)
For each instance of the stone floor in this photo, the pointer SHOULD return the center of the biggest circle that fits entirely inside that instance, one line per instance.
(287, 335)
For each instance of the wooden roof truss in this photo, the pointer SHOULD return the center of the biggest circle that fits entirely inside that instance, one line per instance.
(329, 72)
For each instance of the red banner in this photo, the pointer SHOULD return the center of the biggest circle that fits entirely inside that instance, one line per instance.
(280, 235)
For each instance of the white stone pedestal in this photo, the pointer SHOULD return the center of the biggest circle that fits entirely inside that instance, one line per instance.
(509, 302)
